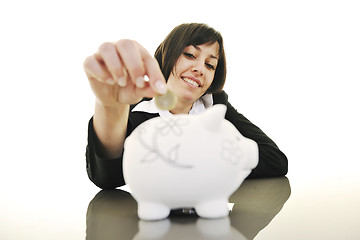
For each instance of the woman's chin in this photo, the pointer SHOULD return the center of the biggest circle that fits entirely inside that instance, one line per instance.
(188, 97)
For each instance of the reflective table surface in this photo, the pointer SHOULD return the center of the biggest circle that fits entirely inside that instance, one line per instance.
(112, 214)
(270, 208)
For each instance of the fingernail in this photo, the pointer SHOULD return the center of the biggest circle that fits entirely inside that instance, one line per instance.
(122, 81)
(160, 87)
(110, 81)
(140, 82)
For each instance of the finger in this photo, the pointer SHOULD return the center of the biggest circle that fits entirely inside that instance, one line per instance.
(95, 69)
(132, 61)
(156, 78)
(153, 71)
(108, 53)
(146, 91)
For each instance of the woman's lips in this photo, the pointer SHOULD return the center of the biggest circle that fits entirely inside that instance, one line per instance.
(192, 81)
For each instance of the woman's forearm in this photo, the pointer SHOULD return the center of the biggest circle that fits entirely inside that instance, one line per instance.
(110, 124)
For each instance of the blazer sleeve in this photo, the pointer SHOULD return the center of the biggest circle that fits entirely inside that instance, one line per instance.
(103, 172)
(272, 161)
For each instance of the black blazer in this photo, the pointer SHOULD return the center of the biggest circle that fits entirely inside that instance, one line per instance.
(108, 174)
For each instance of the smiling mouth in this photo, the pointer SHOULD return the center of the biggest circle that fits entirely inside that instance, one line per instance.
(192, 82)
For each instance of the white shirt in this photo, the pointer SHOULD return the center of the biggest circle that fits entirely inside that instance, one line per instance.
(198, 107)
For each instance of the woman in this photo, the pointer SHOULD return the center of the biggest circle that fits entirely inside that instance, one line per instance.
(191, 63)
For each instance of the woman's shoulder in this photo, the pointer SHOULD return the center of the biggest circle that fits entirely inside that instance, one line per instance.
(220, 98)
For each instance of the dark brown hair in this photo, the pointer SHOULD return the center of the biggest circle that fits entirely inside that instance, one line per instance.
(185, 35)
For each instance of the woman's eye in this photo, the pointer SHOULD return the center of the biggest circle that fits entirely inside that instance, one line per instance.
(210, 66)
(189, 55)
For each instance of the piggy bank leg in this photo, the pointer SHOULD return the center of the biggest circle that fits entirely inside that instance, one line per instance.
(213, 209)
(152, 211)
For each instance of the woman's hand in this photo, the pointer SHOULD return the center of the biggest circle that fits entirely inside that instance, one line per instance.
(116, 73)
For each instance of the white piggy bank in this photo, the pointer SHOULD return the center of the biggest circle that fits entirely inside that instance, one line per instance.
(187, 161)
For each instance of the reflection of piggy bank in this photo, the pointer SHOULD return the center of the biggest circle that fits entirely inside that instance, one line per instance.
(187, 161)
(200, 229)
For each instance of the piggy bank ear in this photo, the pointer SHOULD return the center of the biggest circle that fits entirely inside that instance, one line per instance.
(212, 118)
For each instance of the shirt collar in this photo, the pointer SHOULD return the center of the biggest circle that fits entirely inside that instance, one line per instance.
(198, 107)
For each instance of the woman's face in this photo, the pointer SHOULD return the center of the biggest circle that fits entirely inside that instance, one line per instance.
(194, 72)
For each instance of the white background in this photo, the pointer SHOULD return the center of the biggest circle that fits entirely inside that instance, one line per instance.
(293, 70)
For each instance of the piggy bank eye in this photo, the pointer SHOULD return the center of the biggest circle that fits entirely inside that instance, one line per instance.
(238, 138)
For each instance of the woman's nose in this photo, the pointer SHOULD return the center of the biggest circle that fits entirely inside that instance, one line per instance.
(198, 68)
